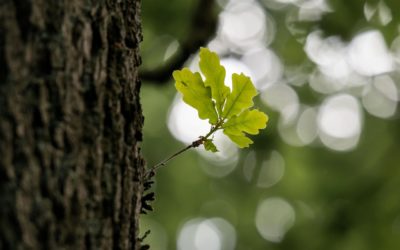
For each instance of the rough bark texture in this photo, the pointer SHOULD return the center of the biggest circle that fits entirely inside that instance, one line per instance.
(70, 123)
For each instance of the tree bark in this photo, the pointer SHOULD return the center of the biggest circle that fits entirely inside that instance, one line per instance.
(70, 124)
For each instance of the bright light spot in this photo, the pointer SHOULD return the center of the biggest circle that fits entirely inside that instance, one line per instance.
(387, 87)
(325, 84)
(315, 45)
(224, 161)
(282, 98)
(234, 65)
(307, 126)
(207, 237)
(297, 75)
(336, 66)
(217, 45)
(227, 233)
(265, 65)
(286, 1)
(385, 14)
(355, 81)
(381, 10)
(207, 234)
(300, 130)
(330, 54)
(380, 98)
(186, 238)
(244, 24)
(313, 4)
(395, 48)
(339, 144)
(274, 217)
(339, 116)
(186, 126)
(184, 123)
(249, 166)
(368, 54)
(171, 49)
(312, 10)
(369, 11)
(272, 170)
(287, 131)
(340, 121)
(242, 21)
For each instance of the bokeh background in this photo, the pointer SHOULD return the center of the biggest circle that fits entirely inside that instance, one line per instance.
(325, 174)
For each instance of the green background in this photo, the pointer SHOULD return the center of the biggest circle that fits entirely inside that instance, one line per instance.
(326, 198)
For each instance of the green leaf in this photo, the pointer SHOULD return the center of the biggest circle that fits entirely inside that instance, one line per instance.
(195, 93)
(214, 101)
(249, 121)
(214, 73)
(210, 146)
(241, 97)
(241, 140)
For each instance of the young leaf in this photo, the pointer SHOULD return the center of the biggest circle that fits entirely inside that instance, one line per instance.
(195, 93)
(215, 77)
(249, 121)
(214, 101)
(210, 146)
(241, 97)
(241, 140)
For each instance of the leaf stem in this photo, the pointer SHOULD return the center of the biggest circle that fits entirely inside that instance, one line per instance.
(151, 171)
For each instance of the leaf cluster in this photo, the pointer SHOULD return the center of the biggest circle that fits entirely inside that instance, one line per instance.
(225, 109)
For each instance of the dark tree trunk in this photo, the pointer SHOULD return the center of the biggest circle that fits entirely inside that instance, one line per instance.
(70, 124)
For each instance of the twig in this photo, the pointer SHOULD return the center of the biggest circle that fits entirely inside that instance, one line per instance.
(153, 169)
(151, 172)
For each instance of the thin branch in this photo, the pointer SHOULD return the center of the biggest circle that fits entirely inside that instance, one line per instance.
(203, 27)
(151, 172)
(153, 169)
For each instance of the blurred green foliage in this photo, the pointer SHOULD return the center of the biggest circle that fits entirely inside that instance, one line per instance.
(341, 200)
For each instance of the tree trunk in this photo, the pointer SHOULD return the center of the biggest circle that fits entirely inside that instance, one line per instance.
(70, 124)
